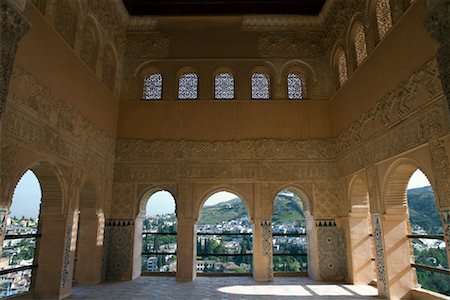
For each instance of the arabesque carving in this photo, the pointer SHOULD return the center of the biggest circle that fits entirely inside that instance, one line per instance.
(441, 169)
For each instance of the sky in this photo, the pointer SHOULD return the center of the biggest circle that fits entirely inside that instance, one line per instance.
(27, 197)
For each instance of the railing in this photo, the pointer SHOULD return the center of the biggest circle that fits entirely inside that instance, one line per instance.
(23, 271)
(159, 255)
(218, 259)
(423, 269)
(293, 257)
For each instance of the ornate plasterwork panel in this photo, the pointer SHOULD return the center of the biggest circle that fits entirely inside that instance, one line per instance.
(124, 201)
(184, 150)
(113, 19)
(395, 106)
(13, 26)
(441, 170)
(291, 44)
(327, 199)
(163, 171)
(38, 121)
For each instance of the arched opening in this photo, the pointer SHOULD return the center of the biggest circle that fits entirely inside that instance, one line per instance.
(49, 268)
(21, 237)
(426, 234)
(362, 251)
(406, 211)
(289, 233)
(89, 247)
(224, 236)
(159, 235)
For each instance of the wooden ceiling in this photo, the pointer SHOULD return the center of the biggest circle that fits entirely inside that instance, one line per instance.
(222, 7)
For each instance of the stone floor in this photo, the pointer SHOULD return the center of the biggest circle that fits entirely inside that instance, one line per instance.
(216, 288)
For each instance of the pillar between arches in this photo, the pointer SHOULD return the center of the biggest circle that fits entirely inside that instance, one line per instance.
(262, 250)
(400, 277)
(186, 249)
(445, 216)
(53, 276)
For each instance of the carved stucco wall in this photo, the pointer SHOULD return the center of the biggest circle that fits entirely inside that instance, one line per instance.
(411, 115)
(38, 125)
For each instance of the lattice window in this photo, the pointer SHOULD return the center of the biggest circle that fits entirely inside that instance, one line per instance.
(384, 18)
(224, 86)
(359, 39)
(342, 66)
(153, 87)
(296, 86)
(260, 86)
(187, 86)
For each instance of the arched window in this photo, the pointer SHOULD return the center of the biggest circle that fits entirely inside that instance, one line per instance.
(289, 233)
(341, 66)
(383, 16)
(21, 236)
(296, 86)
(153, 87)
(359, 42)
(260, 86)
(159, 236)
(224, 236)
(187, 86)
(224, 86)
(425, 227)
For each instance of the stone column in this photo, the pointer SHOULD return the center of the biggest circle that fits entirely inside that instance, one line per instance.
(186, 249)
(262, 250)
(401, 278)
(437, 23)
(52, 276)
(13, 25)
(360, 251)
(90, 248)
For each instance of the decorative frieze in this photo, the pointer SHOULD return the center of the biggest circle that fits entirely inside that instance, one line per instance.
(264, 149)
(47, 124)
(393, 108)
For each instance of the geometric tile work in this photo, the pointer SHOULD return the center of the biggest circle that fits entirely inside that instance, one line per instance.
(379, 250)
(331, 252)
(66, 259)
(266, 226)
(119, 248)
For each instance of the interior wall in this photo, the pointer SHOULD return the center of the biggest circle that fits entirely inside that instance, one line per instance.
(46, 56)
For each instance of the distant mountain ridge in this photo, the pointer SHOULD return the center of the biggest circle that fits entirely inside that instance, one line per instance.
(285, 210)
(423, 211)
(421, 203)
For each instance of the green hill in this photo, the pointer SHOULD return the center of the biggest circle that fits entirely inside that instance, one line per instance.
(285, 210)
(423, 211)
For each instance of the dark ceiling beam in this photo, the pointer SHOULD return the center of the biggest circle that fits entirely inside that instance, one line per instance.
(223, 7)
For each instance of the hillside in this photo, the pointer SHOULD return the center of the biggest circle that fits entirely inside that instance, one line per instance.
(285, 210)
(423, 211)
